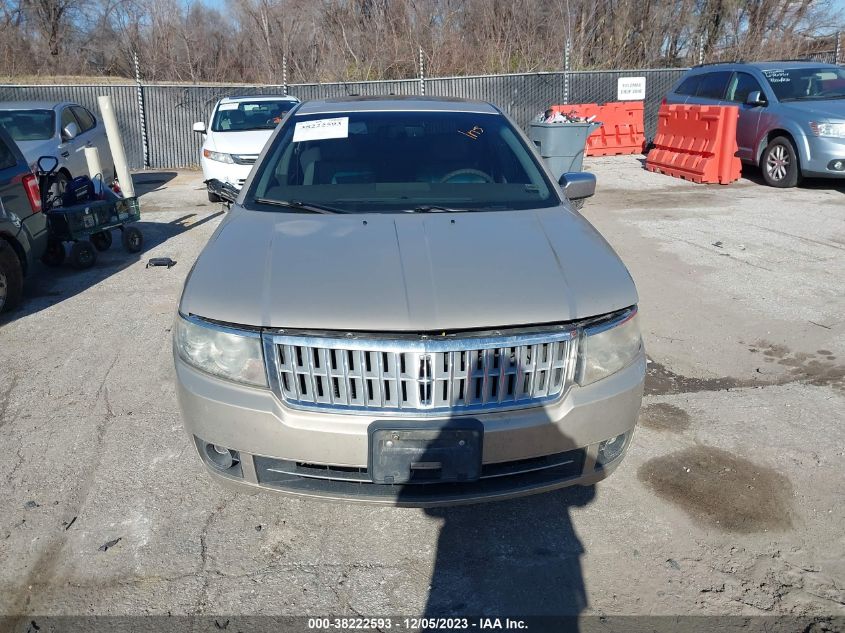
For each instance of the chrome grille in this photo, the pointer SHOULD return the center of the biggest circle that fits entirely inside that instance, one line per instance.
(421, 375)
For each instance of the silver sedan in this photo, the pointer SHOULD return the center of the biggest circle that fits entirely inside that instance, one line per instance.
(63, 130)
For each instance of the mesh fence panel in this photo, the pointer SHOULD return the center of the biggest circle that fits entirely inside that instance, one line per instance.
(171, 110)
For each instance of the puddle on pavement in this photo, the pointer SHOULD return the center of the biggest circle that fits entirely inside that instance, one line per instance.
(660, 380)
(662, 416)
(666, 198)
(724, 490)
(818, 369)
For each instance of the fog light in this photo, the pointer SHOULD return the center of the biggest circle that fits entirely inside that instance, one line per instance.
(836, 165)
(222, 458)
(611, 449)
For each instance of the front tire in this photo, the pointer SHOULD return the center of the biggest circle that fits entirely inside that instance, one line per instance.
(11, 278)
(779, 163)
(213, 197)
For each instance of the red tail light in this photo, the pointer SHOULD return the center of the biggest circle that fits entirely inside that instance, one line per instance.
(663, 101)
(30, 184)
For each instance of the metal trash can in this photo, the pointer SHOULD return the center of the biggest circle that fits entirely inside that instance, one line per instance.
(562, 144)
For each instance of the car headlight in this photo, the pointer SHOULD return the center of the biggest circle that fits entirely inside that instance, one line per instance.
(225, 352)
(607, 348)
(218, 156)
(835, 130)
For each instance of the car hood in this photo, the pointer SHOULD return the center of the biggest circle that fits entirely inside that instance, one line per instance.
(33, 150)
(817, 110)
(249, 142)
(406, 272)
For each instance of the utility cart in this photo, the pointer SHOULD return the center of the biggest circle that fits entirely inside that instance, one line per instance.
(85, 215)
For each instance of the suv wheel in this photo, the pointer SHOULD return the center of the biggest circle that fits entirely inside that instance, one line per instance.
(779, 163)
(11, 278)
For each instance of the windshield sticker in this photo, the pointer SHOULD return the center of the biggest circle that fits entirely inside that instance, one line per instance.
(777, 76)
(228, 106)
(474, 133)
(321, 129)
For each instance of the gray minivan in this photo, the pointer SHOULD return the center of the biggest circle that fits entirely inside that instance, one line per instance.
(791, 114)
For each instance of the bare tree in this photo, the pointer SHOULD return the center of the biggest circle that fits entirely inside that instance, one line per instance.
(250, 41)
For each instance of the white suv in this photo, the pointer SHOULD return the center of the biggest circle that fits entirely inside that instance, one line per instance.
(234, 137)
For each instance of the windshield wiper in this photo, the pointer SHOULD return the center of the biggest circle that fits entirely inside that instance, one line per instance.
(433, 208)
(301, 206)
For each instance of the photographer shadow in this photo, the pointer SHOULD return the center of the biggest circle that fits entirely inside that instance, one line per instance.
(511, 558)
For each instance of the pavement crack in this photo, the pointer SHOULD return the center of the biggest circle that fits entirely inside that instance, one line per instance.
(103, 389)
(6, 398)
(202, 598)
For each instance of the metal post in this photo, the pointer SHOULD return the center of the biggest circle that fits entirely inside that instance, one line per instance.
(566, 72)
(285, 74)
(141, 117)
(837, 54)
(422, 73)
(701, 49)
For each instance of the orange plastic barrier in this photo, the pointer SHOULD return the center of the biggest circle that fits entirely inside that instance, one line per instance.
(697, 143)
(622, 129)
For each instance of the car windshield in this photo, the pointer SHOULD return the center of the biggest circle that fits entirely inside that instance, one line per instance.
(240, 116)
(360, 162)
(806, 84)
(29, 125)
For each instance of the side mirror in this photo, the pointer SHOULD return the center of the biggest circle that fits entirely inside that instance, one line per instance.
(199, 127)
(70, 131)
(755, 98)
(578, 185)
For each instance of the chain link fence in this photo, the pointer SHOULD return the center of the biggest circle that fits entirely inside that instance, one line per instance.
(170, 110)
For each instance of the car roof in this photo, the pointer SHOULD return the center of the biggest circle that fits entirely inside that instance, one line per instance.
(783, 65)
(34, 105)
(258, 98)
(410, 103)
(772, 65)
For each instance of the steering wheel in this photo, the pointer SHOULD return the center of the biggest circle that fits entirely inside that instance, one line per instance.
(485, 177)
(273, 120)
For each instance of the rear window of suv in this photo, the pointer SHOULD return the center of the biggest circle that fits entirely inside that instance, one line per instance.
(689, 86)
(713, 85)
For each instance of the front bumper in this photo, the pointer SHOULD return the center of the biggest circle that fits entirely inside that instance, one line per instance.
(231, 173)
(325, 455)
(818, 154)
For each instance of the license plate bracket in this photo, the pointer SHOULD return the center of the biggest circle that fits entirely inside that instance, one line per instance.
(414, 452)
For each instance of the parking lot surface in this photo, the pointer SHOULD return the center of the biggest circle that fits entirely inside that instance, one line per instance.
(730, 500)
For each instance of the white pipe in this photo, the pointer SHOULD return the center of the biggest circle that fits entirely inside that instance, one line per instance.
(95, 170)
(92, 157)
(116, 145)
